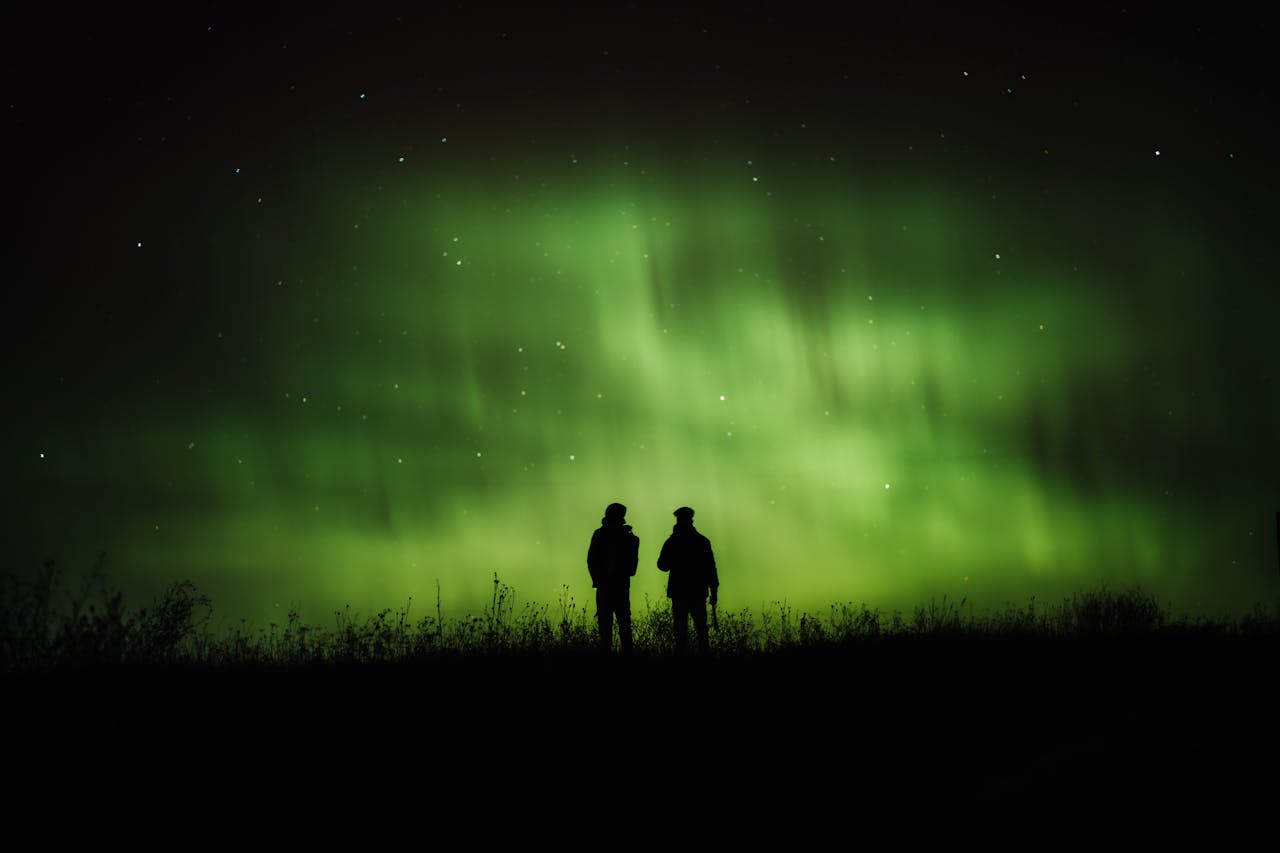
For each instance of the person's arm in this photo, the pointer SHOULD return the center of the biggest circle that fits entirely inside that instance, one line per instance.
(713, 579)
(635, 554)
(664, 557)
(593, 557)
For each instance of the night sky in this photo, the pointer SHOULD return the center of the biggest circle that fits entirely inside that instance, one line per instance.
(320, 309)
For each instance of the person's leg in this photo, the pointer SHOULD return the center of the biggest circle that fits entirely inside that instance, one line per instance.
(680, 623)
(699, 611)
(604, 615)
(624, 620)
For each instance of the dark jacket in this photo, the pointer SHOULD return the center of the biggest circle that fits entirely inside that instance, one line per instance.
(687, 556)
(613, 555)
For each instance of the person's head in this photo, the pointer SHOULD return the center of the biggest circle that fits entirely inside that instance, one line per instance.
(683, 515)
(615, 512)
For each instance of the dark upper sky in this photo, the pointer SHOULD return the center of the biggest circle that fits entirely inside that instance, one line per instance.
(118, 120)
(105, 88)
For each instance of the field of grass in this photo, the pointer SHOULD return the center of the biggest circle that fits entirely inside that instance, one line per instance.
(49, 622)
(1095, 721)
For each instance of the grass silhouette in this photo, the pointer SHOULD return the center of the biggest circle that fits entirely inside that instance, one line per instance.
(91, 627)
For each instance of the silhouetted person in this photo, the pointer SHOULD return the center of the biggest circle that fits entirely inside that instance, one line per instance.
(686, 557)
(612, 560)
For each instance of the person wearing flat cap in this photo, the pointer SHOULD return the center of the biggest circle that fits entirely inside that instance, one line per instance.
(690, 565)
(611, 560)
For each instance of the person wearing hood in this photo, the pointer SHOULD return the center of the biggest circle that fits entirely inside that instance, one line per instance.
(690, 565)
(611, 560)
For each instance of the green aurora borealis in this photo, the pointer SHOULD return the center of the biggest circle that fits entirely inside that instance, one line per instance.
(413, 351)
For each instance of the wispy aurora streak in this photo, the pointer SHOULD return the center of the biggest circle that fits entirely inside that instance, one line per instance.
(878, 395)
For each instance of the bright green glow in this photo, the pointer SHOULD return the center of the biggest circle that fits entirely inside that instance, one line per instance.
(858, 398)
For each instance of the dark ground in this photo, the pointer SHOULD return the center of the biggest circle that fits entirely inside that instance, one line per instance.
(1008, 744)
